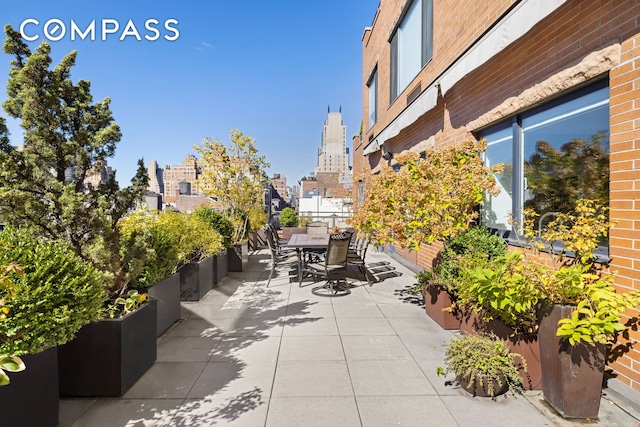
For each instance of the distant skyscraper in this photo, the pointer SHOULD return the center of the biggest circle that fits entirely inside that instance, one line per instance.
(156, 178)
(332, 155)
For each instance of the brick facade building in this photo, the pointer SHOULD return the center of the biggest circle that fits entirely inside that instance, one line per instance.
(533, 77)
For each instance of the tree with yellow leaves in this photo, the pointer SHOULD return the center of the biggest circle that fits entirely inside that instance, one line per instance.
(235, 175)
(430, 198)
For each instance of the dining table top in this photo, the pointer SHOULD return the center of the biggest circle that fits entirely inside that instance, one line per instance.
(308, 241)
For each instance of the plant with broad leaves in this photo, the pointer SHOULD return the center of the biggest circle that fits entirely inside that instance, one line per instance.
(570, 240)
(127, 304)
(9, 364)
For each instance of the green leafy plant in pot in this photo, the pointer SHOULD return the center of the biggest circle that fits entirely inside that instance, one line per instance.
(469, 250)
(484, 365)
(47, 296)
(581, 309)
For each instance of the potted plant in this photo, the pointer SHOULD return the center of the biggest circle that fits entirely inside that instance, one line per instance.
(197, 242)
(441, 286)
(503, 297)
(222, 225)
(47, 293)
(483, 365)
(581, 310)
(290, 224)
(158, 277)
(235, 175)
(43, 185)
(109, 356)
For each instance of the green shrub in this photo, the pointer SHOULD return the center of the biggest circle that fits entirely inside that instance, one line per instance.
(51, 295)
(219, 222)
(195, 238)
(288, 218)
(476, 247)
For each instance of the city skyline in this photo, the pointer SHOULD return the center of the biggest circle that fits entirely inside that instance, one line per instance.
(267, 69)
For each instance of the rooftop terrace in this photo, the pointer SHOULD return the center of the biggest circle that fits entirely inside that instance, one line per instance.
(249, 354)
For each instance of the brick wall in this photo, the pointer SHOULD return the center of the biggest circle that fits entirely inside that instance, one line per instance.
(561, 41)
(625, 185)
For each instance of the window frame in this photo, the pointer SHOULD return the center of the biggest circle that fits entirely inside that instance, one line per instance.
(518, 149)
(426, 44)
(373, 80)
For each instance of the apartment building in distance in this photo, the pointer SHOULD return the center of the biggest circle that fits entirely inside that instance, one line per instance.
(100, 174)
(543, 81)
(172, 181)
(279, 184)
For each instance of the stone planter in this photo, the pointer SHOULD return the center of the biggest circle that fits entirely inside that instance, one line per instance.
(167, 292)
(238, 257)
(31, 399)
(436, 300)
(107, 357)
(571, 375)
(196, 279)
(220, 267)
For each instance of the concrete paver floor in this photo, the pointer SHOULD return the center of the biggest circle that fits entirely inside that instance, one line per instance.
(249, 354)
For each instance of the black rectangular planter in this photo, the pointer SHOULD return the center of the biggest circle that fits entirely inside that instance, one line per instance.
(196, 279)
(109, 356)
(238, 256)
(167, 292)
(220, 267)
(31, 399)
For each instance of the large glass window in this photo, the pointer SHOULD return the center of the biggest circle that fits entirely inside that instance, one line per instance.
(500, 150)
(373, 98)
(554, 155)
(411, 45)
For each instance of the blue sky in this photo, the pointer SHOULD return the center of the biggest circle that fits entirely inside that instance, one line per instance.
(267, 68)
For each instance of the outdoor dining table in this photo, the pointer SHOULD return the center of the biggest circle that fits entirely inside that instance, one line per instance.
(306, 242)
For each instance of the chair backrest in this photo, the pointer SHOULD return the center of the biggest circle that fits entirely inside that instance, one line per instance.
(338, 249)
(271, 240)
(317, 227)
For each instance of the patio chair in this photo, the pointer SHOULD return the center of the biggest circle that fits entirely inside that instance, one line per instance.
(290, 258)
(333, 266)
(356, 256)
(276, 242)
(317, 227)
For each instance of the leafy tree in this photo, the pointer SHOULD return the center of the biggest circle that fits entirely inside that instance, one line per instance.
(288, 218)
(66, 136)
(429, 199)
(235, 175)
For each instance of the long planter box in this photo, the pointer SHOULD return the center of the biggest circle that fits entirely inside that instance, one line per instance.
(31, 399)
(196, 279)
(526, 345)
(571, 375)
(238, 257)
(436, 300)
(167, 292)
(109, 356)
(220, 267)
